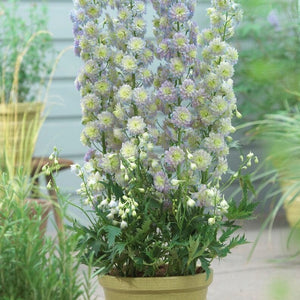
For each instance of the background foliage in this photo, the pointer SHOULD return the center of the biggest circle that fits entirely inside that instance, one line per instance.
(268, 41)
(16, 28)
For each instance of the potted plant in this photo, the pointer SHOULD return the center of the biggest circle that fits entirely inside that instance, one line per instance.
(24, 51)
(280, 136)
(34, 266)
(157, 170)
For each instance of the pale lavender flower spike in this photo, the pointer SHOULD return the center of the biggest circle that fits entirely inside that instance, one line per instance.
(274, 20)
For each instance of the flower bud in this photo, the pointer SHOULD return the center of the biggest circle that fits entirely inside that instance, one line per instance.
(49, 185)
(145, 136)
(191, 202)
(175, 182)
(126, 178)
(110, 216)
(149, 146)
(189, 155)
(250, 155)
(143, 155)
(103, 202)
(123, 224)
(238, 114)
(193, 166)
(211, 221)
(154, 163)
(133, 166)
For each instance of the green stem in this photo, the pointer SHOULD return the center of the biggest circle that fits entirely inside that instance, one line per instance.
(103, 143)
(135, 109)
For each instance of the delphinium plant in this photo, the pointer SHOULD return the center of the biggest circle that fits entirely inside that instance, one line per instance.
(157, 119)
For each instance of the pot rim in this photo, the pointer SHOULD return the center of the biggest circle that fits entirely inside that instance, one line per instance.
(190, 282)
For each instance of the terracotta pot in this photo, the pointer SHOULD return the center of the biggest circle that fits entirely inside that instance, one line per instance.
(156, 288)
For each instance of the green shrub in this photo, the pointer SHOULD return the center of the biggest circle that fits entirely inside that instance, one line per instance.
(33, 267)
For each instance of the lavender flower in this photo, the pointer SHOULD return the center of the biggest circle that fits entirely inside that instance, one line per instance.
(91, 69)
(109, 163)
(218, 105)
(179, 12)
(91, 131)
(161, 182)
(274, 20)
(139, 26)
(177, 67)
(202, 159)
(129, 64)
(89, 155)
(91, 30)
(180, 41)
(125, 93)
(90, 103)
(102, 87)
(181, 117)
(174, 156)
(105, 120)
(167, 92)
(155, 126)
(188, 89)
(215, 142)
(136, 45)
(140, 96)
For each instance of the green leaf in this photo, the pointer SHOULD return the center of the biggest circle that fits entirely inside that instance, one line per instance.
(227, 233)
(96, 246)
(237, 241)
(112, 233)
(119, 247)
(205, 265)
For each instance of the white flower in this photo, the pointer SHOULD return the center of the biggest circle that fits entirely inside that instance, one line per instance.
(211, 221)
(76, 169)
(110, 216)
(125, 93)
(224, 206)
(190, 202)
(88, 166)
(136, 45)
(136, 125)
(123, 224)
(103, 203)
(128, 150)
(129, 64)
(175, 182)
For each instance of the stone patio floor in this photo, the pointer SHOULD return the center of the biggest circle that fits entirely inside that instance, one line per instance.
(270, 274)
